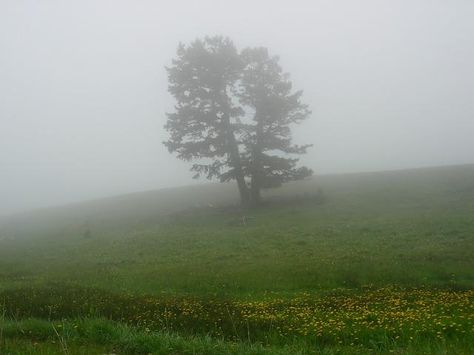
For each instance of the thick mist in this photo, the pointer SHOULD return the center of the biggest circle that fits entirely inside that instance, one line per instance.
(83, 89)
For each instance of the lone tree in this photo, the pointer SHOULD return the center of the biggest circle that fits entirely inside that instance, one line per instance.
(233, 114)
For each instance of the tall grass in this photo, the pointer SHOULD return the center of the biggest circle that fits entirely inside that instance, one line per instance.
(100, 336)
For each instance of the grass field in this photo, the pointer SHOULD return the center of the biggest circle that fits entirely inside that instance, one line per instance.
(358, 263)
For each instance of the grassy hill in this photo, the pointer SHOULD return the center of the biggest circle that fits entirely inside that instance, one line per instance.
(408, 233)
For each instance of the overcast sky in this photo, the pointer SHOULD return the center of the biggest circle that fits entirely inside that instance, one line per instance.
(83, 90)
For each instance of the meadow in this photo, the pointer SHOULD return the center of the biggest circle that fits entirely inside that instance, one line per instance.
(356, 263)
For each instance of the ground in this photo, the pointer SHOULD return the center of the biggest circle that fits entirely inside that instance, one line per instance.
(357, 263)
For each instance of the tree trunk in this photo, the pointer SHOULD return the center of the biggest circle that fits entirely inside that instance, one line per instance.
(243, 190)
(236, 163)
(256, 183)
(239, 174)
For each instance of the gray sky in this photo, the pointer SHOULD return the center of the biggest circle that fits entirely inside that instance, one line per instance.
(83, 87)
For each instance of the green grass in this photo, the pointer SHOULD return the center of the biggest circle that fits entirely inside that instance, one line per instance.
(99, 336)
(407, 230)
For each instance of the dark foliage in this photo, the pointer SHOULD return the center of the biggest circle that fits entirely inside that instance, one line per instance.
(233, 114)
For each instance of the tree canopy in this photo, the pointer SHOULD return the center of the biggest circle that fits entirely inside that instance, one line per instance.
(233, 114)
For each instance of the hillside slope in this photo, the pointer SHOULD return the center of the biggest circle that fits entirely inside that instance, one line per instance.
(420, 187)
(373, 263)
(362, 229)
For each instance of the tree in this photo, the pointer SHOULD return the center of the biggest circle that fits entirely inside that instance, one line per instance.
(233, 113)
(267, 91)
(204, 125)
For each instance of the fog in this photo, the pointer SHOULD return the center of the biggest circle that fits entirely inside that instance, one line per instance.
(83, 89)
